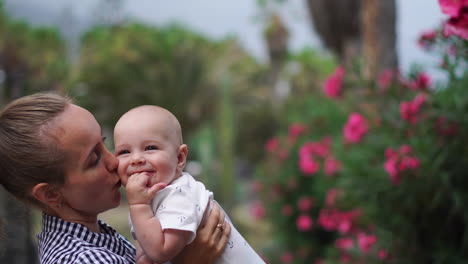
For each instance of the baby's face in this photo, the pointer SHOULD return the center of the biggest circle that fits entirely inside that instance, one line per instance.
(144, 142)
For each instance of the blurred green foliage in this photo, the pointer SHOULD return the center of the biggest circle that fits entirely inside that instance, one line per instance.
(129, 65)
(32, 59)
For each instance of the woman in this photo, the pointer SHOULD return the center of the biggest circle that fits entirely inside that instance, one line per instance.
(52, 155)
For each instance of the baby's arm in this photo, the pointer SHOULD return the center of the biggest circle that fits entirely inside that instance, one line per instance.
(158, 244)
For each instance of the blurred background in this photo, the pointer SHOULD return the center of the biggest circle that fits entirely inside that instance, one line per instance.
(331, 131)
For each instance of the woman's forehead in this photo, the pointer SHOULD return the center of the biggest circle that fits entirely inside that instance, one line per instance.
(77, 130)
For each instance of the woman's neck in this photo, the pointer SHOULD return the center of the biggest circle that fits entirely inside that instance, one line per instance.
(70, 215)
(92, 225)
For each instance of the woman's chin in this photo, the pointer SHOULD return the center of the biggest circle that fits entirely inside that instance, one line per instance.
(116, 199)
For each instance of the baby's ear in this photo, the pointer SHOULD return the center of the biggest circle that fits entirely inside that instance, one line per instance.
(182, 153)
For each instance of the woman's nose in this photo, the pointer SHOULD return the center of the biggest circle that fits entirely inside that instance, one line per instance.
(111, 161)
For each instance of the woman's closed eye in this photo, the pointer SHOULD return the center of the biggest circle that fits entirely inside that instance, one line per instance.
(95, 158)
(96, 155)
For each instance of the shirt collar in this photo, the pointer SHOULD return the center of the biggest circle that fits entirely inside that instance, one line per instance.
(108, 237)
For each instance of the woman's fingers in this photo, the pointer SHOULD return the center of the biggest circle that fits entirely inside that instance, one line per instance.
(226, 232)
(221, 230)
(208, 244)
(213, 218)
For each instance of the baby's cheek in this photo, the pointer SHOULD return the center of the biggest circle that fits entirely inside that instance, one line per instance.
(121, 167)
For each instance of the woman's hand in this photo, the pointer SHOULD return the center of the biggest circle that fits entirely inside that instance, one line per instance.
(210, 241)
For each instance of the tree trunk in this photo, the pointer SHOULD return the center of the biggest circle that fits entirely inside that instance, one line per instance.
(276, 36)
(338, 24)
(16, 245)
(379, 37)
(358, 28)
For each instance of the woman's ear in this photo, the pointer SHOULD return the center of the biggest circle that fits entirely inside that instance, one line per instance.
(47, 195)
(182, 153)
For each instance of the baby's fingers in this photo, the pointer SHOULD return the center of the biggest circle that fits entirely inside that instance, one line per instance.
(156, 188)
(138, 179)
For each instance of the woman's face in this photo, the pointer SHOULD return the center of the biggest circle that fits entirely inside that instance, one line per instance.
(91, 181)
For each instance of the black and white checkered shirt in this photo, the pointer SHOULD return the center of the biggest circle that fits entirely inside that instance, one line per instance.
(70, 243)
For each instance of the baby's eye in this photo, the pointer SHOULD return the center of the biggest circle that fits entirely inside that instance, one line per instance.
(151, 147)
(121, 152)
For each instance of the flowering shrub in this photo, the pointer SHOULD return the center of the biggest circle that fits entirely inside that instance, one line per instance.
(380, 177)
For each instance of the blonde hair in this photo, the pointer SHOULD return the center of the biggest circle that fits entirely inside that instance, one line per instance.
(29, 152)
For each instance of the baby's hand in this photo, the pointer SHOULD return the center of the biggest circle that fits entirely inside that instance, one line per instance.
(138, 191)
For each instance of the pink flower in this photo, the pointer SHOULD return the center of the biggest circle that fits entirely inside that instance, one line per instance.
(458, 26)
(331, 166)
(355, 128)
(410, 163)
(399, 161)
(404, 149)
(305, 204)
(385, 79)
(304, 223)
(272, 145)
(308, 165)
(327, 220)
(365, 242)
(287, 210)
(333, 84)
(391, 167)
(320, 148)
(452, 7)
(382, 254)
(344, 226)
(422, 82)
(389, 153)
(295, 130)
(332, 219)
(257, 210)
(287, 258)
(409, 111)
(344, 243)
(346, 219)
(427, 39)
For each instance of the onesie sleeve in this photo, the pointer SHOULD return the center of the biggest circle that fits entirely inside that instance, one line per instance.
(180, 210)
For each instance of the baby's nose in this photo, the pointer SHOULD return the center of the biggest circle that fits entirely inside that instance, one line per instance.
(137, 159)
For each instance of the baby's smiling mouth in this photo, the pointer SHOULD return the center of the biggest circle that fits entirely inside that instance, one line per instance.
(146, 172)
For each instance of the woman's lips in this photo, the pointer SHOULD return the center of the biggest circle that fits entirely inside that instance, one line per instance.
(118, 184)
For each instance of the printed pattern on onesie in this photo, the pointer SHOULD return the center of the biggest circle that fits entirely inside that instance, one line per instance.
(181, 205)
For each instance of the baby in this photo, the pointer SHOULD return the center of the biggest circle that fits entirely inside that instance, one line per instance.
(166, 204)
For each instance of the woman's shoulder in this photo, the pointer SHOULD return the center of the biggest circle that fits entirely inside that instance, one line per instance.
(77, 244)
(100, 256)
(76, 251)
